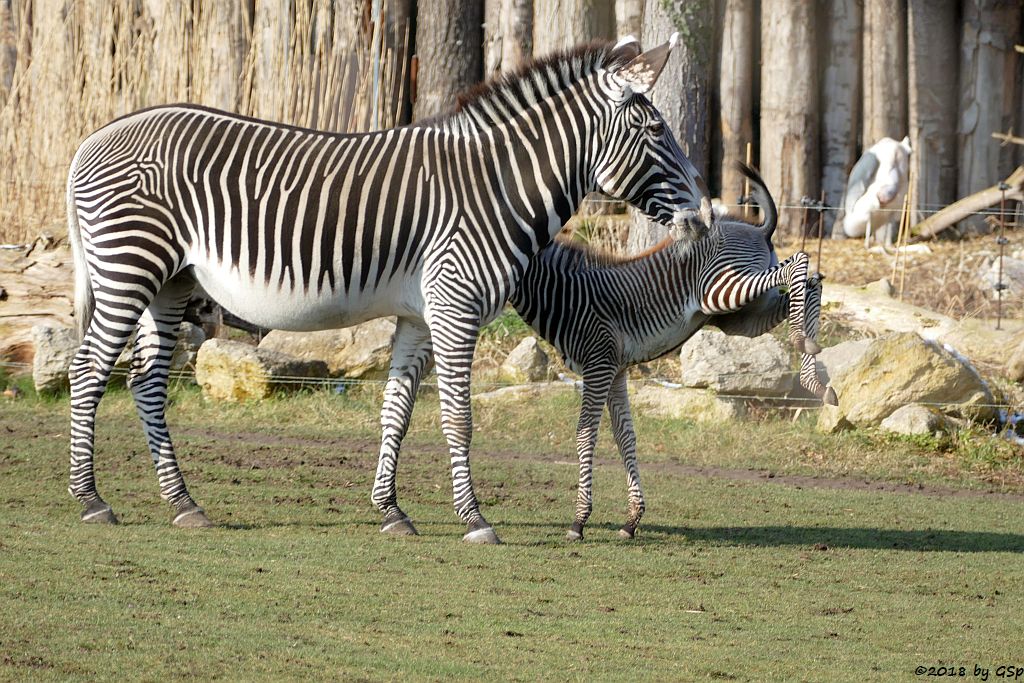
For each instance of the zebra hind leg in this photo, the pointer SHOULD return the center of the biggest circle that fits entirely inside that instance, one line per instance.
(410, 360)
(147, 378)
(595, 394)
(112, 324)
(625, 439)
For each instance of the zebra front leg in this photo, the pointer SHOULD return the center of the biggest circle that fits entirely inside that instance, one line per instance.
(410, 360)
(625, 439)
(808, 367)
(454, 336)
(595, 393)
(147, 378)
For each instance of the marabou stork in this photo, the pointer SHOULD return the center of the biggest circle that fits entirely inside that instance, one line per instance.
(874, 193)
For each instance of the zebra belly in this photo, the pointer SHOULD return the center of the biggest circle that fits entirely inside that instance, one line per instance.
(287, 308)
(661, 342)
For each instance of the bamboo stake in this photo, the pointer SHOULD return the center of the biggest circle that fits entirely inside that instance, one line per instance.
(746, 182)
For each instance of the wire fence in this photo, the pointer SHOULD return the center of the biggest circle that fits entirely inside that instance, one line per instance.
(340, 385)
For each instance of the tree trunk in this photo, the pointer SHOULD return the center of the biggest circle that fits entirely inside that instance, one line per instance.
(449, 37)
(682, 93)
(932, 30)
(884, 63)
(8, 49)
(629, 18)
(170, 24)
(508, 35)
(988, 66)
(400, 41)
(562, 24)
(789, 105)
(840, 99)
(222, 30)
(736, 97)
(269, 89)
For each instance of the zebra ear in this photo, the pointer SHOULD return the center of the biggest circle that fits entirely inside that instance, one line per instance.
(641, 73)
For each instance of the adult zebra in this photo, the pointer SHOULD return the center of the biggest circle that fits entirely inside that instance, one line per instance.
(605, 314)
(300, 229)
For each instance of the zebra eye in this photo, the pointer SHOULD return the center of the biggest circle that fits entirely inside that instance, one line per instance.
(655, 127)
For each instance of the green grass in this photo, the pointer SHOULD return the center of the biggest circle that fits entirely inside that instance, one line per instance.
(729, 579)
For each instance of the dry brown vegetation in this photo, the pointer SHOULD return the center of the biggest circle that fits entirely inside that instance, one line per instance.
(307, 63)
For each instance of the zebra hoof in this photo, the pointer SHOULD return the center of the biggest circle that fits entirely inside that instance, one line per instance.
(830, 397)
(575, 533)
(99, 513)
(192, 518)
(484, 536)
(627, 533)
(811, 347)
(399, 527)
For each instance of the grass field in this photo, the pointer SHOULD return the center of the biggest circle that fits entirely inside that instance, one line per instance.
(733, 576)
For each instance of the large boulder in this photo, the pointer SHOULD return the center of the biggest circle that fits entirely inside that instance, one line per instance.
(736, 365)
(835, 360)
(900, 369)
(684, 403)
(526, 363)
(233, 371)
(360, 351)
(55, 348)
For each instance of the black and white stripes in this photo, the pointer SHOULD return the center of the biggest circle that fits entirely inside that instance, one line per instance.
(606, 314)
(301, 229)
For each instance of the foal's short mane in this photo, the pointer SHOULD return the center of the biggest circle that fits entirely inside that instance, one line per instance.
(583, 256)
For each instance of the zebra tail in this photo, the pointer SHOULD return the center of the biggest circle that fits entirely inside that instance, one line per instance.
(85, 302)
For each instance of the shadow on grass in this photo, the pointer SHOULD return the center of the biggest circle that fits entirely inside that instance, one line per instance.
(924, 540)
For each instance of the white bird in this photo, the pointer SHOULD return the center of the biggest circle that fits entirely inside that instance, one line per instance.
(875, 190)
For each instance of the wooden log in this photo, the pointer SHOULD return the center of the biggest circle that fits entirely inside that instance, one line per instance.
(970, 204)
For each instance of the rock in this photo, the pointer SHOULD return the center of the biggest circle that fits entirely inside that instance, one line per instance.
(873, 315)
(190, 338)
(900, 369)
(916, 419)
(233, 371)
(834, 360)
(1015, 365)
(736, 365)
(522, 392)
(1013, 277)
(55, 348)
(360, 351)
(882, 287)
(831, 420)
(526, 363)
(699, 405)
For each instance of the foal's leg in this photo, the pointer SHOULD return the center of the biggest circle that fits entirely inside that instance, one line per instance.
(625, 439)
(410, 360)
(147, 377)
(596, 383)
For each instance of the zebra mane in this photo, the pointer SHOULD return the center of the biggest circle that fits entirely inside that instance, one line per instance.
(573, 255)
(493, 101)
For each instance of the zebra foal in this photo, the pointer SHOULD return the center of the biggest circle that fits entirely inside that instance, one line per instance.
(605, 315)
(298, 229)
